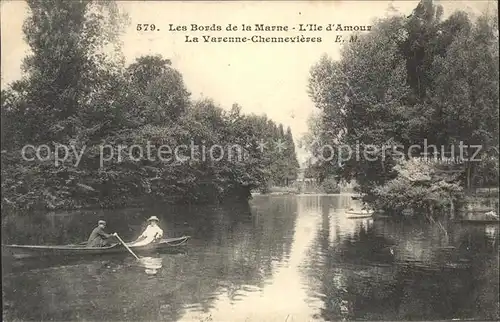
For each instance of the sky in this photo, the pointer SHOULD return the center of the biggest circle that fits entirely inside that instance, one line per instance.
(263, 78)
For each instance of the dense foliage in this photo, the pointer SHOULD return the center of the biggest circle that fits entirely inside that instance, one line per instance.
(413, 80)
(330, 185)
(418, 187)
(120, 124)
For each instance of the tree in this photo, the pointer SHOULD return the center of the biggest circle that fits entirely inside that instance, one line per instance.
(66, 64)
(361, 100)
(466, 92)
(159, 89)
(412, 80)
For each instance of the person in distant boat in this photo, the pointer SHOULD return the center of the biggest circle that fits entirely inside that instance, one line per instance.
(151, 234)
(98, 237)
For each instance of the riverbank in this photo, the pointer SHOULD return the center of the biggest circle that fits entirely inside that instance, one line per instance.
(55, 197)
(353, 196)
(298, 188)
(474, 209)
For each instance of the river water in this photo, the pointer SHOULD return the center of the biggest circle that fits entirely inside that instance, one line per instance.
(279, 258)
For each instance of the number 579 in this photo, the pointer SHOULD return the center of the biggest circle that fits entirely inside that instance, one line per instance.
(145, 27)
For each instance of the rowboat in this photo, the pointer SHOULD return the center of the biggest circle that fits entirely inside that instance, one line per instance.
(25, 251)
(480, 210)
(359, 216)
(351, 214)
(478, 221)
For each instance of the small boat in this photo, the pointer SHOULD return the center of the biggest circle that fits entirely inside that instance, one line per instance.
(490, 217)
(359, 216)
(24, 251)
(480, 210)
(478, 221)
(352, 214)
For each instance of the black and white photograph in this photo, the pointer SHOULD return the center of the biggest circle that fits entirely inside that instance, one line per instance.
(250, 161)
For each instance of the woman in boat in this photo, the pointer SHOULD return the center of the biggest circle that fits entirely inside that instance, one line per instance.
(99, 238)
(151, 234)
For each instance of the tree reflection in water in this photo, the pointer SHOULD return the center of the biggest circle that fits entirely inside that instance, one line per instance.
(393, 271)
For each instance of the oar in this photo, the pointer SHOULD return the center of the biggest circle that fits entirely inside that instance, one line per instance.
(123, 243)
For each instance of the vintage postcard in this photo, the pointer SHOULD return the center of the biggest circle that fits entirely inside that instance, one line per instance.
(231, 161)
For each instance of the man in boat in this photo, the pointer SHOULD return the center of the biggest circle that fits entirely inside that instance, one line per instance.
(98, 237)
(151, 234)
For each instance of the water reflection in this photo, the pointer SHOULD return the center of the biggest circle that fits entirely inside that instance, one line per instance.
(151, 264)
(293, 258)
(390, 270)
